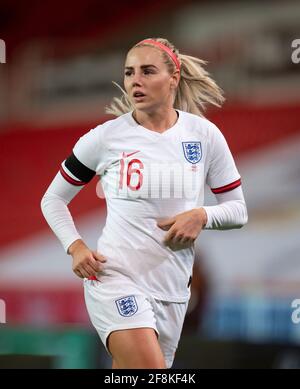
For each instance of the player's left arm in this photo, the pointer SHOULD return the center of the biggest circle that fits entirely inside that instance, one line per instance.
(225, 182)
(184, 228)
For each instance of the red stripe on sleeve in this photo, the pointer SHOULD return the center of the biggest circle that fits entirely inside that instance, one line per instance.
(227, 188)
(70, 179)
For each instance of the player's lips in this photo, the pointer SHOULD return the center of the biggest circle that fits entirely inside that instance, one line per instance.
(138, 96)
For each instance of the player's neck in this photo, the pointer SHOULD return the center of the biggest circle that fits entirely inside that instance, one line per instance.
(158, 121)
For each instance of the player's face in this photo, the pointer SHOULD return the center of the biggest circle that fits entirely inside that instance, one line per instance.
(147, 80)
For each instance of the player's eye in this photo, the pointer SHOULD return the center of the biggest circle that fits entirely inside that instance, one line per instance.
(128, 72)
(147, 71)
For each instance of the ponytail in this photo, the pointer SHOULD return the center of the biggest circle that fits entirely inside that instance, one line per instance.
(196, 88)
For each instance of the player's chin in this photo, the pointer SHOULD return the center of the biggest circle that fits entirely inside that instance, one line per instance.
(141, 105)
(144, 105)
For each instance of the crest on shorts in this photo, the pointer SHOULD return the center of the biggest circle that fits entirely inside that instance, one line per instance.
(127, 306)
(192, 151)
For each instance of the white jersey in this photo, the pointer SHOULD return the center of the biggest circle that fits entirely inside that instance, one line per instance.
(148, 176)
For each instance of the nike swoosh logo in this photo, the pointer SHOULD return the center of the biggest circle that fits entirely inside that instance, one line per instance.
(129, 155)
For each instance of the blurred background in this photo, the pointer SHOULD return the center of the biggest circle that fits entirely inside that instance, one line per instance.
(55, 81)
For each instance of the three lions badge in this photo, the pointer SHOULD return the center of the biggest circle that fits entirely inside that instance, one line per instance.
(192, 151)
(127, 306)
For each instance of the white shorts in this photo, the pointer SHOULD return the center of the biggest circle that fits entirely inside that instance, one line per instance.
(116, 306)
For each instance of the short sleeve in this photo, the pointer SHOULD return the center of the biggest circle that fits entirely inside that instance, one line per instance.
(222, 175)
(86, 160)
(86, 150)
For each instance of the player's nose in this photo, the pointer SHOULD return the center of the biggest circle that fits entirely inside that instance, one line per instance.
(136, 80)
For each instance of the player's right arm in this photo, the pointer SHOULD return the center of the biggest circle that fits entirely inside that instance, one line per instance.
(86, 263)
(75, 172)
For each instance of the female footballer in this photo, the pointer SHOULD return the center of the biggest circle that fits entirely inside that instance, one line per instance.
(154, 160)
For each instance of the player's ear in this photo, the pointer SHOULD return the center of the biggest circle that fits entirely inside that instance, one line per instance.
(175, 78)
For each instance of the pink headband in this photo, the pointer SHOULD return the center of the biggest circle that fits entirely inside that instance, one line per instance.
(164, 48)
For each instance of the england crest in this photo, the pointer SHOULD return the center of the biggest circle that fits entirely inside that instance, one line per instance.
(127, 306)
(192, 151)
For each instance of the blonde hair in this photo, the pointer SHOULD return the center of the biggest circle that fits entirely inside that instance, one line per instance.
(195, 90)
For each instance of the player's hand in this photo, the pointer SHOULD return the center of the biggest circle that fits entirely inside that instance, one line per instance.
(86, 263)
(184, 228)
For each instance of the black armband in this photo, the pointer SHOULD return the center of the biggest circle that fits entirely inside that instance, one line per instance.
(82, 173)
